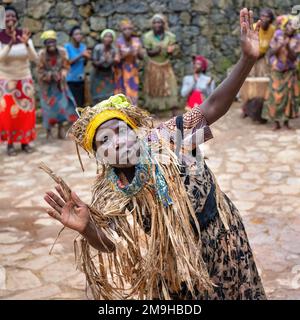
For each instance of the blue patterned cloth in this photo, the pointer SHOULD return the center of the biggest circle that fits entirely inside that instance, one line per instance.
(143, 175)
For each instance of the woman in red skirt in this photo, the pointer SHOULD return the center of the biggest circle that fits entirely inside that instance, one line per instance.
(17, 106)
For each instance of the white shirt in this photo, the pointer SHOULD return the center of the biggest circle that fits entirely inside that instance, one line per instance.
(204, 84)
(15, 60)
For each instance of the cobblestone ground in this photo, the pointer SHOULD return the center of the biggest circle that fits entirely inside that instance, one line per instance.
(258, 168)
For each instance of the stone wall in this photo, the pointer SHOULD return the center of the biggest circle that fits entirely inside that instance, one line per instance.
(209, 28)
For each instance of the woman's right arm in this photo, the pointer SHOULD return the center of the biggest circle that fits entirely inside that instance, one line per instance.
(154, 52)
(95, 56)
(44, 75)
(277, 43)
(97, 239)
(151, 51)
(4, 50)
(75, 215)
(98, 57)
(187, 86)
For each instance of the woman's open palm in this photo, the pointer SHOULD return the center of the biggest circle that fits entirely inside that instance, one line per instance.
(249, 35)
(72, 213)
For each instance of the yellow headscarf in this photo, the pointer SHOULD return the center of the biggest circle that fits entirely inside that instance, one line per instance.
(108, 109)
(49, 34)
(284, 19)
(125, 23)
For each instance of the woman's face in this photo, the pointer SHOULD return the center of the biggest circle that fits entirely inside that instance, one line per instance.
(117, 144)
(265, 20)
(197, 66)
(108, 39)
(127, 31)
(50, 45)
(157, 25)
(10, 19)
(289, 30)
(77, 36)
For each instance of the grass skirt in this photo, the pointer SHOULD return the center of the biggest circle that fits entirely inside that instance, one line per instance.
(160, 86)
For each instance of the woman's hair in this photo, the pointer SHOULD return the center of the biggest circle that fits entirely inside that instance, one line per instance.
(204, 63)
(11, 8)
(268, 12)
(73, 30)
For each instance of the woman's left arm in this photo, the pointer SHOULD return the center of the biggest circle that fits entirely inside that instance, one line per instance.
(219, 102)
(25, 39)
(32, 54)
(65, 66)
(293, 47)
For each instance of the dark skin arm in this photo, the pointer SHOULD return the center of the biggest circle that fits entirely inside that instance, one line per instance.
(86, 54)
(292, 55)
(75, 215)
(75, 59)
(280, 43)
(219, 102)
(153, 52)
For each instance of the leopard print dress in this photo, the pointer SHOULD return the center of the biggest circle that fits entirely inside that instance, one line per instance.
(227, 253)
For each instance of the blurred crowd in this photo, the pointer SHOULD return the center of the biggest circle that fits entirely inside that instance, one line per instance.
(115, 69)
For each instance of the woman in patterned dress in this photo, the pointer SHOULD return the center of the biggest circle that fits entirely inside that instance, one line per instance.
(127, 71)
(104, 59)
(160, 84)
(193, 244)
(57, 102)
(284, 96)
(17, 105)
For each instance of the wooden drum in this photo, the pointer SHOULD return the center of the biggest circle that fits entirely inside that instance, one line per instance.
(254, 87)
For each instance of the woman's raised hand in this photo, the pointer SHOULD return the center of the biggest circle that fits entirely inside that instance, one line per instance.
(24, 38)
(72, 213)
(249, 35)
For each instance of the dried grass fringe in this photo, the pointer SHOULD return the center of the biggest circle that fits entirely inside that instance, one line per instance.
(145, 265)
(157, 80)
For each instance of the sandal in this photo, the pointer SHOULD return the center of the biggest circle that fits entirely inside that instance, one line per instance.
(49, 135)
(287, 125)
(11, 151)
(27, 148)
(61, 132)
(276, 126)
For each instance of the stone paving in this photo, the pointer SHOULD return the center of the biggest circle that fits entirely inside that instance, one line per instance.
(259, 169)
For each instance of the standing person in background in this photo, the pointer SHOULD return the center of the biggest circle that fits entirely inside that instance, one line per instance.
(17, 105)
(127, 71)
(283, 100)
(57, 102)
(160, 85)
(266, 32)
(104, 59)
(197, 87)
(253, 107)
(77, 54)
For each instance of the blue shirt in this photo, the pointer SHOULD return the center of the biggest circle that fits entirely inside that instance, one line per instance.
(76, 72)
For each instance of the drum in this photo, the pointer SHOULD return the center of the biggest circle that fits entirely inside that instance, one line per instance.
(254, 87)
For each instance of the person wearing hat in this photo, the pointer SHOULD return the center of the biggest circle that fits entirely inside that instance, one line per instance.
(17, 103)
(160, 84)
(283, 99)
(57, 102)
(158, 225)
(127, 71)
(104, 58)
(253, 107)
(197, 87)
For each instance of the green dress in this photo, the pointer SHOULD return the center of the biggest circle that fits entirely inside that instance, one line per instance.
(160, 85)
